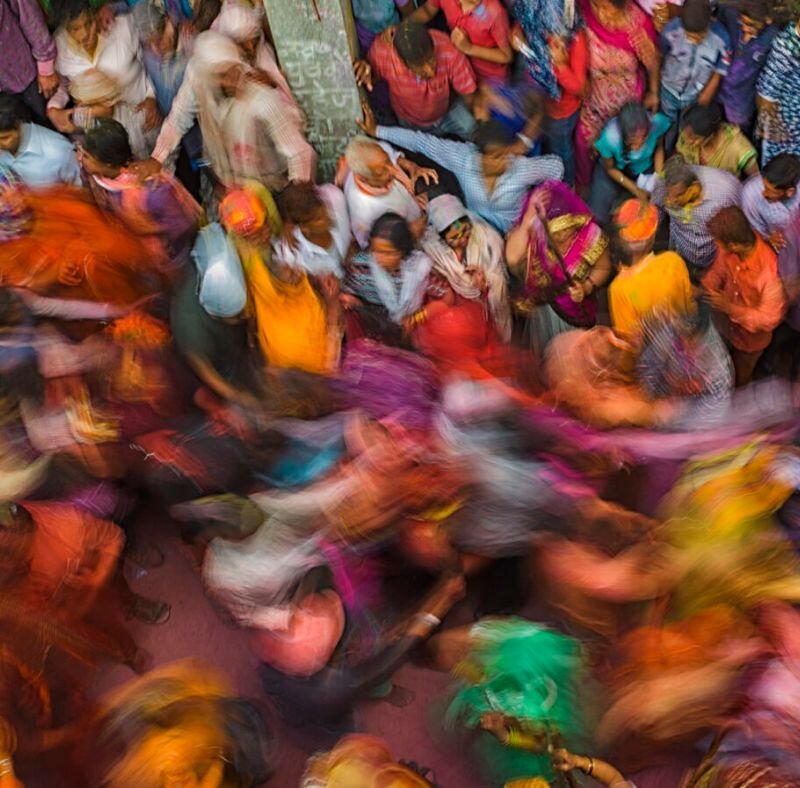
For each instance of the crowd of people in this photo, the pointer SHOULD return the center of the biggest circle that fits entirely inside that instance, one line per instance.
(530, 361)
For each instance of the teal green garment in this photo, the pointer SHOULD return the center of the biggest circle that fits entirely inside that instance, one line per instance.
(529, 672)
(635, 162)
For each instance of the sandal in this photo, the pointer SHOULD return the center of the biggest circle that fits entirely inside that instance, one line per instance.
(149, 611)
(144, 556)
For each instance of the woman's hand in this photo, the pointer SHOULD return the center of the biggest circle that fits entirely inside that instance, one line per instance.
(517, 39)
(565, 761)
(496, 723)
(152, 117)
(577, 291)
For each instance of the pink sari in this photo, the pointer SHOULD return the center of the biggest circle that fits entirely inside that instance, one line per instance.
(618, 59)
(580, 242)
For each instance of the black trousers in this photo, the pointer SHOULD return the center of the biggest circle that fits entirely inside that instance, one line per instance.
(35, 103)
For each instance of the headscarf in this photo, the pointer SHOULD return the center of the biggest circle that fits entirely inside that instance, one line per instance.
(484, 253)
(213, 53)
(15, 213)
(239, 21)
(222, 288)
(244, 210)
(401, 301)
(149, 18)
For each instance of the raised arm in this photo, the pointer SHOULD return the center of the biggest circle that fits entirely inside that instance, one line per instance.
(448, 153)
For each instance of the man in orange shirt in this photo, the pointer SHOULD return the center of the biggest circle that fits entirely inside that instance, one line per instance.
(744, 289)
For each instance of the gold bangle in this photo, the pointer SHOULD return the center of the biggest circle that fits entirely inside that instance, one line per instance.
(588, 771)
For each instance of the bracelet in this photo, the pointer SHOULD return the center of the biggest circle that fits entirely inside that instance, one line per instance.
(419, 317)
(527, 141)
(590, 768)
(6, 767)
(429, 619)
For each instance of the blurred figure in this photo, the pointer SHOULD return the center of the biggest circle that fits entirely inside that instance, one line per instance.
(744, 288)
(249, 131)
(646, 283)
(160, 210)
(106, 65)
(290, 316)
(360, 761)
(180, 725)
(561, 254)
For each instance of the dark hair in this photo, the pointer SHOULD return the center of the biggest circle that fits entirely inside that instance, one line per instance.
(299, 201)
(704, 121)
(782, 171)
(678, 173)
(633, 118)
(10, 114)
(730, 226)
(754, 9)
(68, 10)
(394, 228)
(696, 15)
(413, 43)
(493, 133)
(108, 142)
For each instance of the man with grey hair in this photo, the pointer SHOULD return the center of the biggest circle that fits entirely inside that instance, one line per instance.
(377, 179)
(691, 195)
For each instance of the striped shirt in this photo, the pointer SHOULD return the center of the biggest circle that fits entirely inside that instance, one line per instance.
(418, 101)
(688, 233)
(765, 215)
(501, 206)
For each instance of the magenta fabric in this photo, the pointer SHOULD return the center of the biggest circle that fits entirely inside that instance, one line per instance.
(561, 200)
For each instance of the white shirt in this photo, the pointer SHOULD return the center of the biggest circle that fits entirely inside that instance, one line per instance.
(43, 158)
(117, 55)
(365, 209)
(312, 258)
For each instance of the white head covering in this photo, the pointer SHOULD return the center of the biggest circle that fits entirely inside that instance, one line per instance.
(223, 292)
(238, 21)
(213, 53)
(444, 210)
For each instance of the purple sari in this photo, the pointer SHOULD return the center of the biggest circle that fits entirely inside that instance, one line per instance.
(573, 233)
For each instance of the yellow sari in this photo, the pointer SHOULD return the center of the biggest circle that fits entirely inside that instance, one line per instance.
(291, 318)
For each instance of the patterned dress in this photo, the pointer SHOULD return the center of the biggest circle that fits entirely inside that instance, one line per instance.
(780, 84)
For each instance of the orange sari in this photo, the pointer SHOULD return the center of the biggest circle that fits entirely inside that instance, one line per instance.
(73, 251)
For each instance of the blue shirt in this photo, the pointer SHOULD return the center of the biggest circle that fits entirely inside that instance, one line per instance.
(43, 158)
(737, 94)
(610, 145)
(687, 68)
(500, 207)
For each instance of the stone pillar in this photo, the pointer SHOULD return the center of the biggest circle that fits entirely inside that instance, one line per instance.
(314, 40)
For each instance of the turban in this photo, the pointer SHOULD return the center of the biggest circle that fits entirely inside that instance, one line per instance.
(444, 210)
(15, 214)
(637, 221)
(94, 87)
